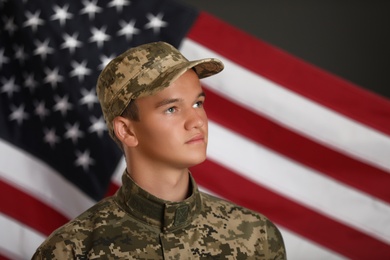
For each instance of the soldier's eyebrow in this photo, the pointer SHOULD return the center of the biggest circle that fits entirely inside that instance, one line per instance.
(202, 94)
(167, 102)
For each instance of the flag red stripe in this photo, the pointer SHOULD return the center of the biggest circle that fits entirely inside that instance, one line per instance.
(289, 214)
(112, 188)
(292, 73)
(3, 257)
(305, 151)
(32, 213)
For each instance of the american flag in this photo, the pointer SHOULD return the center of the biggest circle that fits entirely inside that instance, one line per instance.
(309, 150)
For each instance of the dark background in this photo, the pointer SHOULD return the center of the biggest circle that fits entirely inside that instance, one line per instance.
(350, 39)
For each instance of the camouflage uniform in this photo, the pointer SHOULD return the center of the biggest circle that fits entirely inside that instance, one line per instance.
(134, 224)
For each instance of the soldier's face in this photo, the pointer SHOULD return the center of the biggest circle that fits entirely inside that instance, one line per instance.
(173, 129)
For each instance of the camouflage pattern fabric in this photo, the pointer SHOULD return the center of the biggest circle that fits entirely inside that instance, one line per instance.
(142, 71)
(134, 224)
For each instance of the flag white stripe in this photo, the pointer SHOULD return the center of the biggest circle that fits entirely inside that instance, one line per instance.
(294, 111)
(40, 181)
(299, 248)
(17, 240)
(299, 183)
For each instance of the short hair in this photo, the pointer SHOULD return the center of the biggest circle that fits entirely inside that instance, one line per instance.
(131, 111)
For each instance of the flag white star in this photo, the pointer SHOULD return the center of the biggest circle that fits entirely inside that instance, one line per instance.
(3, 59)
(52, 77)
(40, 109)
(98, 126)
(30, 82)
(9, 25)
(50, 137)
(33, 20)
(105, 60)
(42, 48)
(18, 114)
(20, 54)
(9, 86)
(80, 70)
(61, 14)
(62, 104)
(84, 160)
(73, 132)
(155, 22)
(90, 8)
(99, 36)
(119, 4)
(89, 98)
(128, 29)
(71, 42)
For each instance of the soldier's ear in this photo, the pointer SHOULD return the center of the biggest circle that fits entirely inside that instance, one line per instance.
(124, 132)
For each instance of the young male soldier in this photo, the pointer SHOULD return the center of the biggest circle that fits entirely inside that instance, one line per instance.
(152, 101)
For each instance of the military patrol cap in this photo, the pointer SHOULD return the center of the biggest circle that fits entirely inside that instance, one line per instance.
(142, 71)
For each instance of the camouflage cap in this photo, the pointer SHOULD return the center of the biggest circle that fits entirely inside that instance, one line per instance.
(143, 71)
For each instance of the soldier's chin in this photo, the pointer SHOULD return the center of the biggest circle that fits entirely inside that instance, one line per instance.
(197, 161)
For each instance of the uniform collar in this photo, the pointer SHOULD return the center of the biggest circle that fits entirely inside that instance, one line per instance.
(166, 215)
